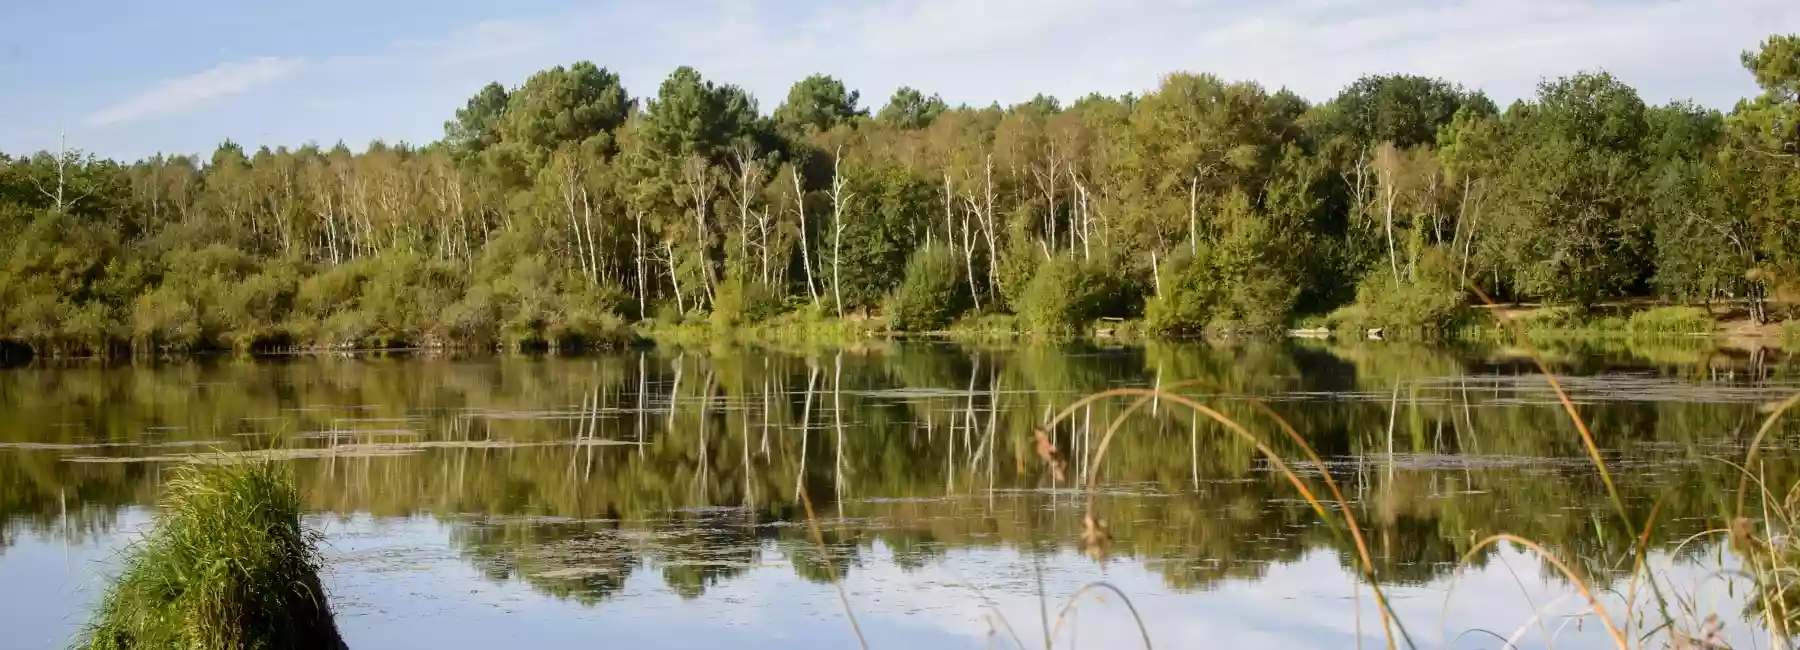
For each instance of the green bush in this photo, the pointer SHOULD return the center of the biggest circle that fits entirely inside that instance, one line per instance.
(406, 294)
(665, 312)
(1019, 263)
(164, 320)
(1554, 318)
(1429, 304)
(228, 297)
(397, 299)
(934, 292)
(1188, 300)
(1067, 294)
(740, 302)
(474, 320)
(93, 326)
(588, 330)
(257, 307)
(325, 305)
(347, 329)
(1258, 303)
(1573, 322)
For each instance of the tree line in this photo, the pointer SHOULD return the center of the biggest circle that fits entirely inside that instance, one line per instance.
(559, 211)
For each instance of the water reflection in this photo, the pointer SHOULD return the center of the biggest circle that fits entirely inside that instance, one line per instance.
(580, 477)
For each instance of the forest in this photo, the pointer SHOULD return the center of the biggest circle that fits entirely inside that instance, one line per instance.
(566, 213)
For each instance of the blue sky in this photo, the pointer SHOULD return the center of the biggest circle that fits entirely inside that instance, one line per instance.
(128, 79)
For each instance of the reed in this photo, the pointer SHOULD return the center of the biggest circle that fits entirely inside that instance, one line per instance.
(1767, 543)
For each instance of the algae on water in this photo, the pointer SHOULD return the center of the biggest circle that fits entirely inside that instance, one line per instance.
(226, 566)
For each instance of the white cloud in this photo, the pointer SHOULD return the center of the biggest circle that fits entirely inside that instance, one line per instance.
(1006, 50)
(975, 52)
(182, 94)
(981, 51)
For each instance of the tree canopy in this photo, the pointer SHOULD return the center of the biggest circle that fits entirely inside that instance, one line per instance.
(556, 211)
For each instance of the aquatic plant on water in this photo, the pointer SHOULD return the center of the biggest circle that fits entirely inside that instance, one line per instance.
(226, 565)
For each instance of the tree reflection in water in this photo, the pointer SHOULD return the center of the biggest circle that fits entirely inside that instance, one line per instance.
(573, 474)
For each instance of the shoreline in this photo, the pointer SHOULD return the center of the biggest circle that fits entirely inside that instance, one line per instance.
(1727, 338)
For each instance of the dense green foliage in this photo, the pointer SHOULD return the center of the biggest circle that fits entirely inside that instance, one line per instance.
(1186, 294)
(554, 212)
(1426, 305)
(932, 294)
(227, 566)
(1065, 293)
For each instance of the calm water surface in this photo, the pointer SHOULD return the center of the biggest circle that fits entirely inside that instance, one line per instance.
(654, 500)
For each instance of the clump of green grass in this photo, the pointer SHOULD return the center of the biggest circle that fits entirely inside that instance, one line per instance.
(226, 566)
(1568, 323)
(1671, 320)
(985, 326)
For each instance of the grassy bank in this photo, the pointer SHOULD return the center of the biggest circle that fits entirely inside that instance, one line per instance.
(226, 566)
(801, 328)
(1563, 322)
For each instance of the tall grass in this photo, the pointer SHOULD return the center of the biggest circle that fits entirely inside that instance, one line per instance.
(1672, 320)
(225, 566)
(1568, 323)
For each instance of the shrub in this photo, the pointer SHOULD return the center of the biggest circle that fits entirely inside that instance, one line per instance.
(474, 320)
(1018, 265)
(1189, 296)
(666, 312)
(1553, 318)
(406, 294)
(1427, 305)
(227, 565)
(255, 306)
(933, 293)
(1066, 294)
(163, 320)
(219, 283)
(585, 329)
(393, 300)
(348, 329)
(744, 302)
(92, 327)
(325, 303)
(1258, 303)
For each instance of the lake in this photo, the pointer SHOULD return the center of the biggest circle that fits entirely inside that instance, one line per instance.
(753, 499)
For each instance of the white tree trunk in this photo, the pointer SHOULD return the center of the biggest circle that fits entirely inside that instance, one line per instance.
(587, 224)
(1194, 216)
(674, 277)
(700, 192)
(1391, 194)
(637, 240)
(837, 234)
(805, 256)
(988, 229)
